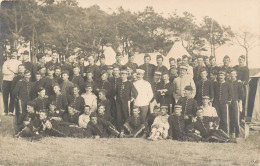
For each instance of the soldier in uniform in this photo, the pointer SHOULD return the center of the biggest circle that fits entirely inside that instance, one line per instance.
(104, 114)
(40, 61)
(42, 101)
(185, 62)
(84, 118)
(28, 65)
(155, 86)
(58, 99)
(148, 68)
(196, 70)
(93, 68)
(204, 87)
(118, 62)
(173, 73)
(68, 66)
(189, 105)
(57, 75)
(77, 79)
(172, 62)
(76, 101)
(130, 63)
(48, 81)
(226, 67)
(125, 93)
(19, 76)
(207, 63)
(36, 85)
(104, 84)
(213, 64)
(102, 99)
(235, 109)
(223, 95)
(160, 67)
(66, 85)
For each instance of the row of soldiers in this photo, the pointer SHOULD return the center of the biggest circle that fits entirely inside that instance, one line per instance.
(120, 88)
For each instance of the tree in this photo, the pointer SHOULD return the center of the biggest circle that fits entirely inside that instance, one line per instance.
(247, 41)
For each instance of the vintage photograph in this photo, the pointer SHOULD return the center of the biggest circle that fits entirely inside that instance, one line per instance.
(128, 82)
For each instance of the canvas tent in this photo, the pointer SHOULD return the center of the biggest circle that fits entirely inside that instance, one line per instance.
(177, 51)
(254, 99)
(110, 55)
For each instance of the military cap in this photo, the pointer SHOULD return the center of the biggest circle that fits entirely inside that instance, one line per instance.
(93, 114)
(102, 56)
(43, 111)
(173, 67)
(40, 55)
(65, 72)
(179, 59)
(165, 73)
(177, 106)
(156, 107)
(164, 106)
(104, 72)
(242, 56)
(87, 106)
(159, 56)
(221, 72)
(58, 67)
(183, 67)
(104, 91)
(88, 85)
(38, 73)
(27, 72)
(110, 67)
(25, 52)
(140, 71)
(40, 89)
(203, 69)
(205, 97)
(158, 73)
(232, 70)
(189, 88)
(101, 104)
(89, 71)
(171, 59)
(147, 55)
(53, 103)
(31, 103)
(76, 66)
(184, 56)
(41, 67)
(135, 107)
(215, 72)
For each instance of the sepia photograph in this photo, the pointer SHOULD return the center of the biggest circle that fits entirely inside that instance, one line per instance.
(129, 82)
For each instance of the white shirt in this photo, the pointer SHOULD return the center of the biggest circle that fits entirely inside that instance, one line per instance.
(209, 111)
(9, 66)
(189, 71)
(162, 122)
(180, 84)
(145, 93)
(91, 100)
(83, 120)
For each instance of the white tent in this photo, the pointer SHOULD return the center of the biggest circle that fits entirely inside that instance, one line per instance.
(110, 55)
(177, 51)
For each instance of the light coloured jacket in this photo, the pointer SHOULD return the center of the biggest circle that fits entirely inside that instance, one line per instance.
(145, 93)
(10, 69)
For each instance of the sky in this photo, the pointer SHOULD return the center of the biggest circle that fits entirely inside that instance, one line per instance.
(241, 15)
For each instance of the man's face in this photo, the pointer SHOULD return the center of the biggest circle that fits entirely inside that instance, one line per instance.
(25, 58)
(93, 120)
(56, 89)
(102, 61)
(27, 76)
(147, 60)
(71, 59)
(50, 72)
(71, 110)
(140, 76)
(164, 111)
(119, 58)
(57, 72)
(131, 59)
(200, 61)
(204, 75)
(226, 61)
(42, 60)
(134, 77)
(185, 61)
(87, 110)
(172, 63)
(221, 76)
(233, 75)
(123, 76)
(89, 76)
(129, 71)
(183, 72)
(241, 61)
(115, 71)
(65, 76)
(30, 109)
(136, 112)
(52, 107)
(54, 57)
(187, 93)
(174, 71)
(101, 110)
(159, 61)
(213, 62)
(88, 89)
(42, 93)
(110, 72)
(81, 61)
(178, 111)
(199, 113)
(205, 101)
(206, 61)
(14, 55)
(165, 77)
(75, 70)
(104, 77)
(21, 69)
(38, 77)
(101, 95)
(157, 77)
(43, 116)
(75, 91)
(43, 71)
(91, 60)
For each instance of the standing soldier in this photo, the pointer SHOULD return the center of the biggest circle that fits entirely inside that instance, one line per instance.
(125, 93)
(36, 85)
(22, 92)
(148, 68)
(57, 75)
(77, 79)
(28, 65)
(213, 64)
(82, 65)
(238, 95)
(104, 84)
(130, 63)
(93, 68)
(118, 62)
(172, 62)
(145, 94)
(68, 66)
(48, 81)
(10, 69)
(204, 87)
(223, 96)
(66, 85)
(226, 67)
(76, 101)
(160, 67)
(196, 70)
(155, 86)
(185, 62)
(173, 73)
(40, 61)
(207, 63)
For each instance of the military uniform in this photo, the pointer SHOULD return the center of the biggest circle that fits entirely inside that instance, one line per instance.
(41, 104)
(93, 69)
(79, 81)
(60, 101)
(189, 108)
(66, 88)
(155, 88)
(131, 65)
(47, 85)
(167, 98)
(149, 71)
(204, 88)
(107, 86)
(35, 86)
(135, 125)
(162, 69)
(177, 127)
(77, 103)
(196, 73)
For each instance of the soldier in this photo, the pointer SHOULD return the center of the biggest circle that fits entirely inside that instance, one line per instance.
(103, 66)
(40, 61)
(165, 90)
(172, 62)
(196, 70)
(115, 80)
(135, 125)
(131, 63)
(235, 109)
(77, 79)
(82, 65)
(22, 92)
(145, 93)
(185, 62)
(42, 101)
(160, 67)
(57, 75)
(181, 82)
(118, 62)
(43, 71)
(226, 67)
(76, 101)
(223, 96)
(59, 100)
(19, 76)
(148, 68)
(93, 68)
(104, 114)
(28, 65)
(36, 85)
(208, 111)
(213, 64)
(48, 81)
(90, 98)
(104, 84)
(204, 87)
(189, 105)
(110, 73)
(72, 116)
(106, 102)
(125, 93)
(173, 73)
(10, 69)
(207, 63)
(213, 75)
(68, 66)
(155, 86)
(54, 61)
(84, 118)
(66, 85)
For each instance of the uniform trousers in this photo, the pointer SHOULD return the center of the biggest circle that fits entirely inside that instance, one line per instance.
(144, 112)
(223, 114)
(7, 92)
(122, 112)
(234, 118)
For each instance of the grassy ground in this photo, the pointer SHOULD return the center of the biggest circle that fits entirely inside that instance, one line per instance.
(72, 151)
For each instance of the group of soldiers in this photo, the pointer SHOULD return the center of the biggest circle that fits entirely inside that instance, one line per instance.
(193, 100)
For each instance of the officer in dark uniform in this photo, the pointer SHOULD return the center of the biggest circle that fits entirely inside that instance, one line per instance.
(36, 85)
(130, 62)
(76, 101)
(204, 87)
(172, 62)
(223, 95)
(42, 101)
(59, 100)
(213, 65)
(160, 67)
(226, 67)
(148, 68)
(125, 92)
(106, 102)
(173, 73)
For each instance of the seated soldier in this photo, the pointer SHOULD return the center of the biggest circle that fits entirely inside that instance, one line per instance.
(160, 125)
(28, 122)
(99, 128)
(102, 113)
(135, 124)
(72, 116)
(54, 113)
(152, 116)
(84, 118)
(208, 131)
(177, 124)
(208, 111)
